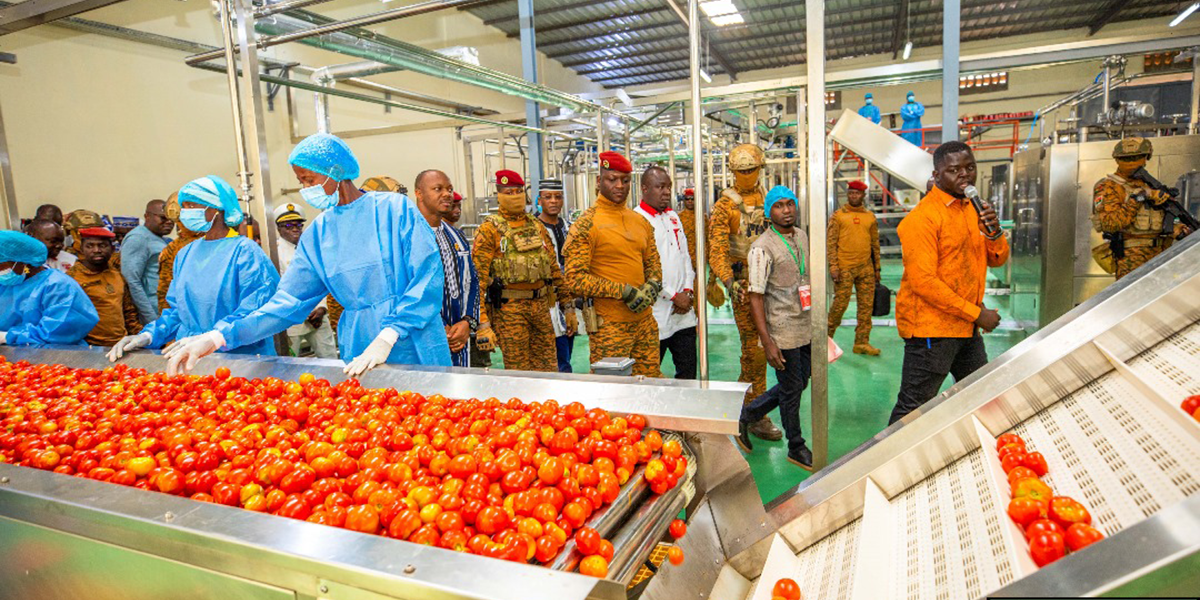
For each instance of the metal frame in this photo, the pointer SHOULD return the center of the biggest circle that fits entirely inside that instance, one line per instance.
(701, 186)
(31, 13)
(8, 192)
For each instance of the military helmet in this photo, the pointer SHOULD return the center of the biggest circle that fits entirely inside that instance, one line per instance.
(171, 207)
(1134, 146)
(746, 156)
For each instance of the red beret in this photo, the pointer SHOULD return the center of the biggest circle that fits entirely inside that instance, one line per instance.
(457, 196)
(689, 192)
(507, 178)
(858, 185)
(615, 162)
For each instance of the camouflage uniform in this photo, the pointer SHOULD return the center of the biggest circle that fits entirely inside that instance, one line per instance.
(688, 218)
(166, 258)
(853, 245)
(736, 222)
(1115, 209)
(589, 247)
(522, 325)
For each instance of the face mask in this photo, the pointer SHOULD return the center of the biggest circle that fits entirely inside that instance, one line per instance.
(745, 181)
(9, 278)
(870, 101)
(511, 204)
(1129, 166)
(193, 219)
(912, 98)
(316, 197)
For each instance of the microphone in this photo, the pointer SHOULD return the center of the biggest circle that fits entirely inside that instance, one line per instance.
(973, 195)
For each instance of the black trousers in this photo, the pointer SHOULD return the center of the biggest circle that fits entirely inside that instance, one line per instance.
(927, 361)
(797, 368)
(682, 345)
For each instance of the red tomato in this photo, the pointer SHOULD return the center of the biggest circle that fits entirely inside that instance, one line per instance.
(594, 566)
(1032, 488)
(786, 588)
(362, 518)
(1008, 438)
(1034, 461)
(675, 555)
(1067, 511)
(587, 540)
(678, 528)
(1190, 404)
(491, 520)
(1081, 535)
(1047, 548)
(672, 448)
(1024, 511)
(1012, 460)
(1019, 473)
(606, 549)
(1041, 526)
(295, 508)
(222, 373)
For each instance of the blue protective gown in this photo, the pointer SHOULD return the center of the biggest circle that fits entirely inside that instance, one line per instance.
(871, 112)
(48, 308)
(216, 282)
(379, 259)
(912, 113)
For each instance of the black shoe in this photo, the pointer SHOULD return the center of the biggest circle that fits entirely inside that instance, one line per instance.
(743, 438)
(801, 458)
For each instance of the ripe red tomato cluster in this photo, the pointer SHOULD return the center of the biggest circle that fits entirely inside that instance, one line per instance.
(1052, 524)
(510, 480)
(785, 589)
(1191, 406)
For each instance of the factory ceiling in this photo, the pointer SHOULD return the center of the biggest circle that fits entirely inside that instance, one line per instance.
(620, 43)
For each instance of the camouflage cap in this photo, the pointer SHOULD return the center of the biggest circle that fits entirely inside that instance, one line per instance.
(1134, 146)
(81, 219)
(171, 207)
(381, 184)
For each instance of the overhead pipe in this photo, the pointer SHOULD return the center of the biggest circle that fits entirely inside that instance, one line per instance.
(231, 71)
(283, 6)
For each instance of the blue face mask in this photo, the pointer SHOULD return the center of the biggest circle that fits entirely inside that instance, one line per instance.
(193, 219)
(870, 101)
(9, 278)
(316, 197)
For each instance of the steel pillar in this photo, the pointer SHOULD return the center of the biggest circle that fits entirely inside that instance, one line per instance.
(533, 114)
(951, 19)
(8, 191)
(701, 185)
(1194, 113)
(818, 193)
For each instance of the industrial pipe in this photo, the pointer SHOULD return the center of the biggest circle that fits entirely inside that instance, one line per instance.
(283, 6)
(231, 71)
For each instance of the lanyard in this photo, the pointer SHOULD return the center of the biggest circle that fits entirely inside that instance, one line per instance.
(799, 263)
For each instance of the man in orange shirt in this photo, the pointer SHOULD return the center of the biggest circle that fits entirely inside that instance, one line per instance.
(939, 309)
(612, 261)
(853, 239)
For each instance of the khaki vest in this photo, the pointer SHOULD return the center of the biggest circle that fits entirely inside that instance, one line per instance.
(752, 223)
(523, 256)
(1149, 221)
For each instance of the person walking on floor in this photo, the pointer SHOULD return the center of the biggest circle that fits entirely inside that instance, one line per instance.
(853, 240)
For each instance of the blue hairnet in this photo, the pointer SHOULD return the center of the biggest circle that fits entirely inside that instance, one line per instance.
(18, 247)
(869, 95)
(325, 154)
(777, 193)
(213, 191)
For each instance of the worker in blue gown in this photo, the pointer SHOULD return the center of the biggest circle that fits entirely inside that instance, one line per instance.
(869, 110)
(911, 113)
(39, 306)
(374, 252)
(219, 278)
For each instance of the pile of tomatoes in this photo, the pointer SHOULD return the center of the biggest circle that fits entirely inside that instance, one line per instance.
(510, 480)
(1191, 406)
(1052, 524)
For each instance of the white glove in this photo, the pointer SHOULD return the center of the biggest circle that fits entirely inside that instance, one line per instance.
(186, 352)
(376, 354)
(3, 337)
(128, 343)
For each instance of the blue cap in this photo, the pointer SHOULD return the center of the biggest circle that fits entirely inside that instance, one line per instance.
(213, 191)
(18, 247)
(911, 95)
(777, 193)
(325, 154)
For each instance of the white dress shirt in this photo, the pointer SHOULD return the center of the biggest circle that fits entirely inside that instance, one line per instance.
(677, 271)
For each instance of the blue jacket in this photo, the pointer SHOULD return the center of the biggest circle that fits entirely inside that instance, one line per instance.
(48, 308)
(139, 266)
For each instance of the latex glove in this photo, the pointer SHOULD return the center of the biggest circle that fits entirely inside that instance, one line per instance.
(572, 325)
(3, 337)
(128, 343)
(376, 354)
(485, 338)
(183, 355)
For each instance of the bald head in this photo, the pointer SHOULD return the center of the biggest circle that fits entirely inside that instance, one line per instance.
(656, 188)
(49, 233)
(156, 218)
(49, 212)
(434, 195)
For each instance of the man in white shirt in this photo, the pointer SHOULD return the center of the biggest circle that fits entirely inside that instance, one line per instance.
(673, 309)
(51, 234)
(315, 330)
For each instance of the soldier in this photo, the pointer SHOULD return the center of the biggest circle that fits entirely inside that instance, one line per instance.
(1119, 212)
(612, 262)
(688, 217)
(518, 273)
(853, 240)
(736, 222)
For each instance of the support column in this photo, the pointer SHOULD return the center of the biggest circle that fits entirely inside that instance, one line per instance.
(951, 17)
(801, 151)
(533, 114)
(702, 193)
(671, 164)
(254, 135)
(8, 193)
(1194, 113)
(817, 196)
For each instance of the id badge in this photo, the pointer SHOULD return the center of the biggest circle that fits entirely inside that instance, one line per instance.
(805, 297)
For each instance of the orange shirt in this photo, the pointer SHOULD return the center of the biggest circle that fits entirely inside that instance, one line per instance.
(610, 246)
(946, 258)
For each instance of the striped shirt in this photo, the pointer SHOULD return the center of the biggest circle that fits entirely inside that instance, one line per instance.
(460, 299)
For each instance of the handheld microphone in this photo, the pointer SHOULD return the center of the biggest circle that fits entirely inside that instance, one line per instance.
(973, 195)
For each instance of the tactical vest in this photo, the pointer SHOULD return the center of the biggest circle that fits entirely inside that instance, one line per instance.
(523, 257)
(752, 223)
(1148, 221)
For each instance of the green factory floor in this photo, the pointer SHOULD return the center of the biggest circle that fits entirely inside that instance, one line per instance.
(862, 389)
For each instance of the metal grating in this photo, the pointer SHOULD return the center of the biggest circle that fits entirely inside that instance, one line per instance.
(1174, 362)
(1108, 448)
(639, 34)
(827, 567)
(964, 556)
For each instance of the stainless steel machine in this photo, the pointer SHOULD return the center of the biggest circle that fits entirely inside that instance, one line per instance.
(1053, 269)
(916, 512)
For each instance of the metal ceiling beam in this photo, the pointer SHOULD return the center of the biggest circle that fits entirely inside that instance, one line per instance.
(627, 15)
(1106, 15)
(706, 29)
(625, 30)
(901, 25)
(32, 13)
(496, 21)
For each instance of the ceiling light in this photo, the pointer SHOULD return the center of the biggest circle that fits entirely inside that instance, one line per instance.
(718, 7)
(624, 97)
(1187, 12)
(907, 49)
(705, 76)
(613, 122)
(724, 20)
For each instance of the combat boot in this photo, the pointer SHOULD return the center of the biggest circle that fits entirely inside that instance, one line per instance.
(867, 349)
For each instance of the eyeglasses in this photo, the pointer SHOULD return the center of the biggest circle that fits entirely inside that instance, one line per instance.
(292, 225)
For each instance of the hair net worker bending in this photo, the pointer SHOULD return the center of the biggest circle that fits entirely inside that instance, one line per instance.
(374, 252)
(39, 306)
(217, 279)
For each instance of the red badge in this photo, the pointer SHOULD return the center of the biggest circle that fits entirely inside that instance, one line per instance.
(856, 221)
